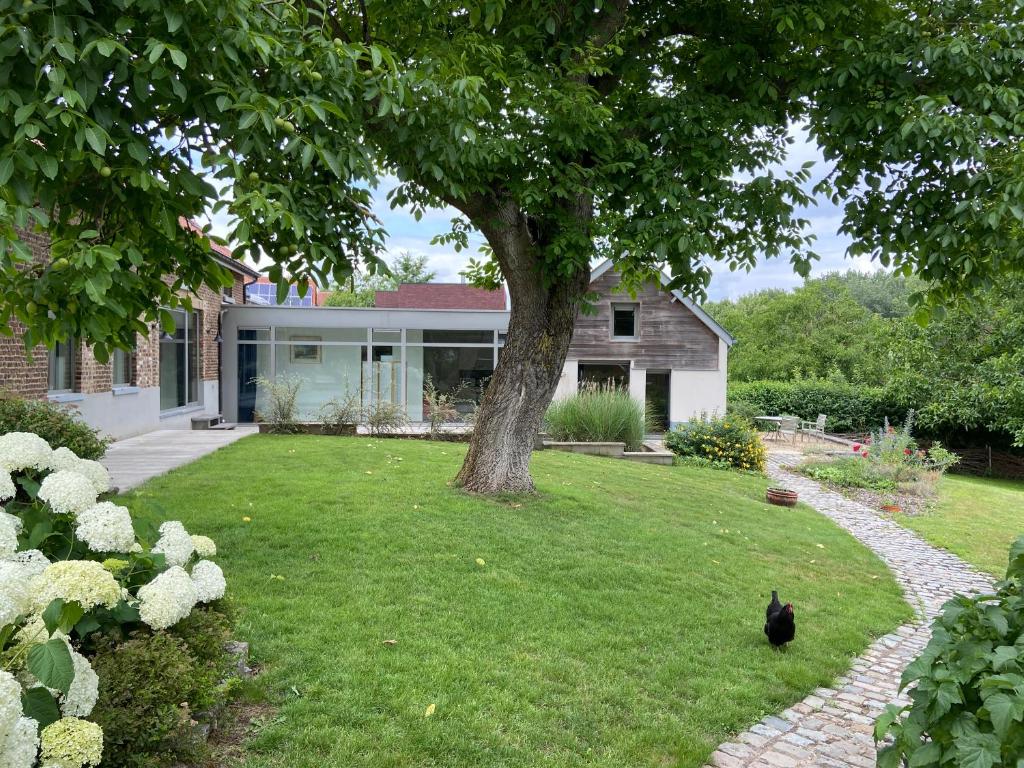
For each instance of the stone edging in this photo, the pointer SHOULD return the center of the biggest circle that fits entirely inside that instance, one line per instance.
(832, 727)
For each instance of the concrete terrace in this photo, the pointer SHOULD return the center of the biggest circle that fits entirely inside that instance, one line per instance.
(135, 460)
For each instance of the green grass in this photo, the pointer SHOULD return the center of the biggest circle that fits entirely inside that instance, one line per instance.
(617, 620)
(975, 518)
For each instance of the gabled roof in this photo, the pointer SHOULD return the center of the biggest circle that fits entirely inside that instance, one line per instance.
(221, 253)
(679, 296)
(441, 296)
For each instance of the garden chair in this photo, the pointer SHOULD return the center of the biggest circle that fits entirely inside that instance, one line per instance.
(788, 424)
(815, 428)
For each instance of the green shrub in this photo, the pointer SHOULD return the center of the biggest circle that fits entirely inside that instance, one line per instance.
(967, 703)
(143, 684)
(851, 473)
(56, 424)
(598, 414)
(206, 631)
(849, 407)
(727, 439)
(278, 406)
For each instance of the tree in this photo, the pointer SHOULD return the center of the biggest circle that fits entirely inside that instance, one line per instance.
(817, 330)
(646, 132)
(360, 289)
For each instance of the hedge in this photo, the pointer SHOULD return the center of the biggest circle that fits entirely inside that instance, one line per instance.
(849, 407)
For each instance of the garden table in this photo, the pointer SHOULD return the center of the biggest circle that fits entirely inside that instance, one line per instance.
(771, 421)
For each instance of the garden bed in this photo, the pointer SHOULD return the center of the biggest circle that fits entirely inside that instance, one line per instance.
(646, 454)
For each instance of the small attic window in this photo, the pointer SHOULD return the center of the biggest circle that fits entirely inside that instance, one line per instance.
(624, 321)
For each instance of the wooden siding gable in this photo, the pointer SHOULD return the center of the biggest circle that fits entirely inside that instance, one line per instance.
(671, 336)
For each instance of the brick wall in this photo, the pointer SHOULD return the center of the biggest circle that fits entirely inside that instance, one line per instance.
(30, 378)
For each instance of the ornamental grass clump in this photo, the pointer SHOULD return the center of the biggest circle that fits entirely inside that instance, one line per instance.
(598, 414)
(78, 574)
(967, 688)
(724, 441)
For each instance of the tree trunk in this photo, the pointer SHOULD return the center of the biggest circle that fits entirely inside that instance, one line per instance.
(539, 332)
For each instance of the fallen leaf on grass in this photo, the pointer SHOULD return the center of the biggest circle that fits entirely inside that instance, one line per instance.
(430, 710)
(480, 561)
(390, 642)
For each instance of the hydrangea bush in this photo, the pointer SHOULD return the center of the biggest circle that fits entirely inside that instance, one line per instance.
(74, 567)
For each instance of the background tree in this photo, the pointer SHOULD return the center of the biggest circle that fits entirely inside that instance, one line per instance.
(360, 289)
(818, 330)
(646, 132)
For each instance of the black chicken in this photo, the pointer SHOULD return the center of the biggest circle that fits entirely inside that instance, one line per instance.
(779, 625)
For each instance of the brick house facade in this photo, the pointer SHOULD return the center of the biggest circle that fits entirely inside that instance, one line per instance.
(137, 403)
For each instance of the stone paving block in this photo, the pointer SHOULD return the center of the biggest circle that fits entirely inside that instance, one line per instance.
(833, 727)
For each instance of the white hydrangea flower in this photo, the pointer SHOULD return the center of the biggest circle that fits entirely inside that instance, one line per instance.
(83, 581)
(106, 527)
(67, 492)
(72, 743)
(204, 546)
(168, 598)
(8, 610)
(174, 543)
(14, 519)
(8, 536)
(24, 450)
(19, 748)
(96, 472)
(34, 631)
(85, 688)
(209, 581)
(63, 458)
(19, 576)
(10, 702)
(8, 490)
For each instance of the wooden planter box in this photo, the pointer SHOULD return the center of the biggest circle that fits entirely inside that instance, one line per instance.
(782, 497)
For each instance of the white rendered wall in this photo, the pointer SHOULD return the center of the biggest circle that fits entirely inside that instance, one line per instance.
(568, 380)
(638, 384)
(134, 410)
(694, 392)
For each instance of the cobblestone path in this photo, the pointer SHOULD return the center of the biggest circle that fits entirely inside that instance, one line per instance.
(832, 728)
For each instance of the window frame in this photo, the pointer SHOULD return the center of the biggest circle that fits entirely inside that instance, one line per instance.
(129, 368)
(635, 307)
(192, 340)
(72, 367)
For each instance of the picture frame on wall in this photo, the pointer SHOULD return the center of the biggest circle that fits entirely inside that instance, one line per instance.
(308, 352)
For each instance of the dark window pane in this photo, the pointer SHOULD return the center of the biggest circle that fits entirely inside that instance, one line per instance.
(458, 337)
(122, 373)
(254, 334)
(604, 375)
(62, 367)
(624, 321)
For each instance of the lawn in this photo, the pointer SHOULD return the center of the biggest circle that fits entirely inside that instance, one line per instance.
(615, 619)
(975, 518)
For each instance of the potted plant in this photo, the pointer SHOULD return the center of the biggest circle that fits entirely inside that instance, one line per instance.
(891, 505)
(782, 497)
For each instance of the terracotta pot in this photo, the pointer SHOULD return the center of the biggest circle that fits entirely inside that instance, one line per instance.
(892, 508)
(783, 497)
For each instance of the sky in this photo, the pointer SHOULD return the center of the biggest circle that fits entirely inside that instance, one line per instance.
(407, 234)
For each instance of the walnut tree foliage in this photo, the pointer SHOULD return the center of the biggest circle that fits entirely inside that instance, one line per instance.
(648, 132)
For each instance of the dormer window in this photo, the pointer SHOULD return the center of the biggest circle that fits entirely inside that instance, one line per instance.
(625, 322)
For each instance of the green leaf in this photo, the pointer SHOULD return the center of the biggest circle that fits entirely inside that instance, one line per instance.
(980, 751)
(51, 663)
(62, 615)
(1003, 656)
(927, 755)
(105, 47)
(888, 717)
(39, 704)
(124, 613)
(86, 625)
(179, 58)
(95, 139)
(1003, 711)
(549, 25)
(6, 169)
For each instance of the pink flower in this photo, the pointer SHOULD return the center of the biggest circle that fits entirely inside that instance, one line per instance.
(856, 447)
(864, 454)
(907, 451)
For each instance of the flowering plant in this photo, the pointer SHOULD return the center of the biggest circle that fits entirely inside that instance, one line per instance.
(896, 448)
(72, 567)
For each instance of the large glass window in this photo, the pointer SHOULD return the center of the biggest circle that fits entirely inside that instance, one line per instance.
(326, 370)
(62, 367)
(604, 375)
(436, 336)
(179, 361)
(462, 372)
